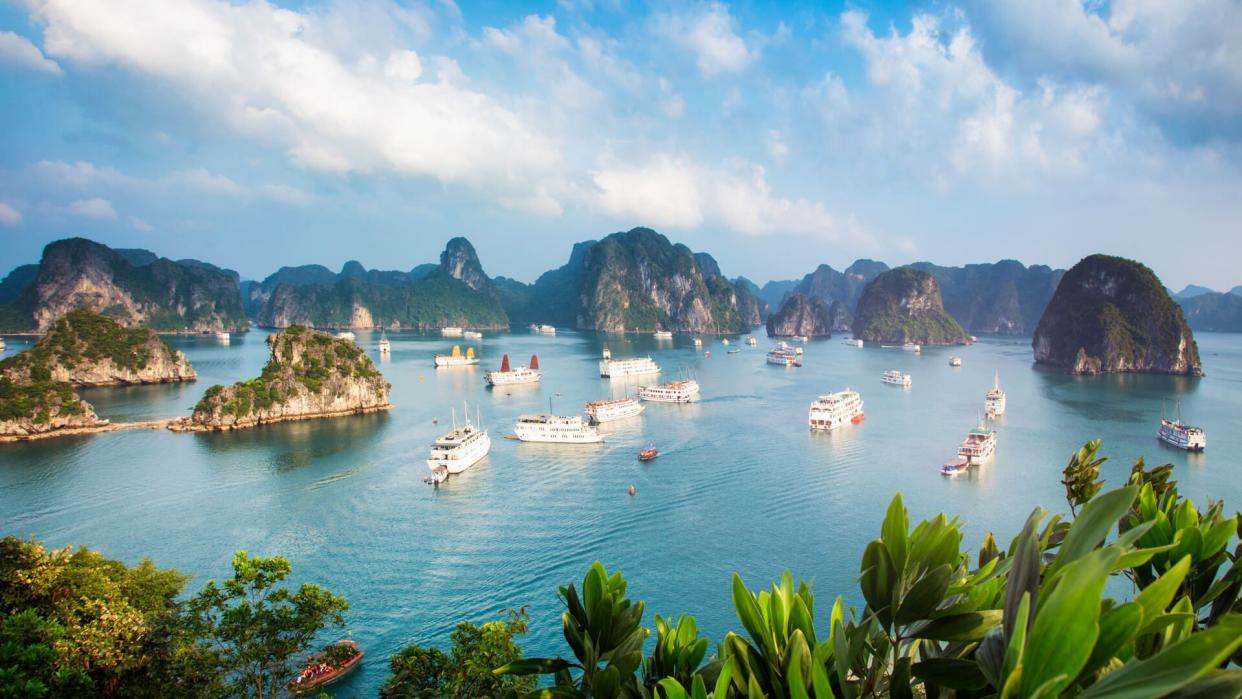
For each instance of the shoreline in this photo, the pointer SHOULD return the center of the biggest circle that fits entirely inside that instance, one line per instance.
(183, 424)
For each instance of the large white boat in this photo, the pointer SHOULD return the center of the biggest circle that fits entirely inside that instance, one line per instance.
(459, 448)
(750, 340)
(698, 342)
(784, 355)
(451, 331)
(616, 409)
(456, 358)
(979, 445)
(472, 335)
(955, 361)
(507, 375)
(663, 334)
(561, 429)
(384, 345)
(833, 410)
(1178, 434)
(346, 335)
(223, 337)
(543, 329)
(896, 378)
(911, 347)
(854, 342)
(610, 368)
(994, 402)
(681, 391)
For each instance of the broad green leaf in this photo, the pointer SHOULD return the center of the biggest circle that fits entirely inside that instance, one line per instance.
(1217, 684)
(1093, 524)
(877, 580)
(1024, 575)
(533, 666)
(797, 686)
(1172, 668)
(899, 681)
(924, 596)
(1218, 536)
(672, 689)
(968, 626)
(1017, 642)
(748, 613)
(1156, 597)
(894, 532)
(820, 683)
(1118, 627)
(990, 656)
(953, 673)
(1066, 625)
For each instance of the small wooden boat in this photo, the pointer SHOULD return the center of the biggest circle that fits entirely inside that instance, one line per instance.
(336, 661)
(648, 454)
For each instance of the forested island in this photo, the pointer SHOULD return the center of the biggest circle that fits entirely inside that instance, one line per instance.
(903, 305)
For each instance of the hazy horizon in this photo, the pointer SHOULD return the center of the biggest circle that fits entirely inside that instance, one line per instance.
(775, 136)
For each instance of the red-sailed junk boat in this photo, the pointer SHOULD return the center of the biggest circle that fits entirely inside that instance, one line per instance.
(320, 672)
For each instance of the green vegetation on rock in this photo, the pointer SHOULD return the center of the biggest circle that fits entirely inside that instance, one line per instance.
(904, 305)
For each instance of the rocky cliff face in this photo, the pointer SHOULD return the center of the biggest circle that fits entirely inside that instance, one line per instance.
(456, 292)
(801, 315)
(309, 375)
(1214, 312)
(840, 291)
(136, 289)
(636, 281)
(1004, 298)
(1111, 314)
(904, 305)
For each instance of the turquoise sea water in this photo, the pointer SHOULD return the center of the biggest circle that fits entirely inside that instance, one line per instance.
(741, 484)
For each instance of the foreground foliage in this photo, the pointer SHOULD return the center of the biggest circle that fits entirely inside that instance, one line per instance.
(466, 672)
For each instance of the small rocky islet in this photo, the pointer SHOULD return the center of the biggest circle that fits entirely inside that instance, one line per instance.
(903, 305)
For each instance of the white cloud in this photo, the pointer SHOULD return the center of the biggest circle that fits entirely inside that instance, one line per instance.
(86, 175)
(277, 75)
(140, 225)
(96, 208)
(17, 50)
(9, 216)
(709, 35)
(778, 150)
(663, 192)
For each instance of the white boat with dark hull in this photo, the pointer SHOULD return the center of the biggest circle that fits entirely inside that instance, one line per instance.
(507, 375)
(979, 445)
(994, 402)
(751, 341)
(698, 342)
(223, 337)
(456, 358)
(784, 355)
(600, 411)
(893, 377)
(542, 329)
(955, 466)
(833, 410)
(662, 334)
(681, 391)
(385, 347)
(472, 335)
(1178, 434)
(955, 361)
(610, 368)
(451, 331)
(853, 342)
(912, 347)
(459, 448)
(556, 429)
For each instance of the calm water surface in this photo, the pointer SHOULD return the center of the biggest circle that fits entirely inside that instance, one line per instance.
(741, 484)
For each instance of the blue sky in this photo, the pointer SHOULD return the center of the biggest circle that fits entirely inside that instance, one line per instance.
(775, 136)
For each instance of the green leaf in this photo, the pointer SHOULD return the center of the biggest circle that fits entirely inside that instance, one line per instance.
(954, 673)
(1156, 597)
(749, 614)
(878, 577)
(967, 626)
(1174, 667)
(1023, 575)
(924, 596)
(894, 532)
(1017, 643)
(1066, 624)
(1093, 524)
(899, 681)
(1118, 627)
(672, 689)
(820, 683)
(1217, 684)
(533, 666)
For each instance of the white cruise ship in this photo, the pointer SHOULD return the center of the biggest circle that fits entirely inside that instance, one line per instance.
(663, 334)
(955, 361)
(346, 335)
(384, 345)
(223, 337)
(833, 410)
(979, 445)
(682, 391)
(784, 355)
(472, 335)
(506, 375)
(457, 358)
(542, 329)
(616, 409)
(750, 340)
(698, 342)
(610, 368)
(451, 331)
(994, 402)
(911, 347)
(854, 342)
(459, 448)
(1178, 434)
(559, 429)
(896, 378)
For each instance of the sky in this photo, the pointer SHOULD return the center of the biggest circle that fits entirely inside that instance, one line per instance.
(774, 135)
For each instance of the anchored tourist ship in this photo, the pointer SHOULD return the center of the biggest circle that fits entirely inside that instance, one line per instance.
(979, 445)
(346, 335)
(472, 335)
(833, 410)
(1178, 434)
(955, 466)
(610, 368)
(456, 358)
(896, 378)
(750, 340)
(559, 429)
(543, 329)
(458, 449)
(682, 391)
(955, 361)
(911, 347)
(223, 337)
(506, 375)
(852, 342)
(384, 345)
(451, 331)
(994, 403)
(663, 334)
(616, 409)
(784, 355)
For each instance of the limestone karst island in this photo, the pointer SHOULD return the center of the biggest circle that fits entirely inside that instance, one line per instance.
(691, 349)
